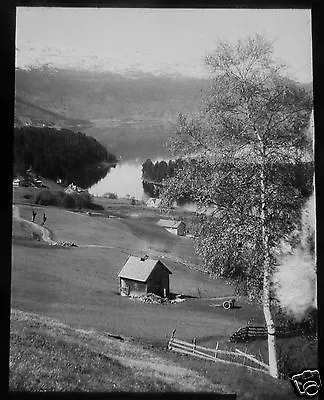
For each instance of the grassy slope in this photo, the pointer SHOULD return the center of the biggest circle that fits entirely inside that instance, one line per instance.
(46, 355)
(79, 287)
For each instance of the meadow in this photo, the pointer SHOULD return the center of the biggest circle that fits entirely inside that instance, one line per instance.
(79, 287)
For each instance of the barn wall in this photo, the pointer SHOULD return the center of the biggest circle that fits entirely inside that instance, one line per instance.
(180, 231)
(129, 286)
(158, 281)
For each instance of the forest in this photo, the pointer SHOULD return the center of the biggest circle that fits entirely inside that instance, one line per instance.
(53, 154)
(300, 175)
(156, 172)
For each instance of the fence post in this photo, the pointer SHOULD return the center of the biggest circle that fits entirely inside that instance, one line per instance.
(171, 339)
(261, 358)
(216, 351)
(244, 358)
(194, 341)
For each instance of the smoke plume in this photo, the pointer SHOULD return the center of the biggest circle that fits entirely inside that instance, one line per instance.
(295, 278)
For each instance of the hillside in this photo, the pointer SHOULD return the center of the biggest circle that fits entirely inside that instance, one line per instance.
(95, 95)
(29, 114)
(46, 355)
(72, 331)
(133, 116)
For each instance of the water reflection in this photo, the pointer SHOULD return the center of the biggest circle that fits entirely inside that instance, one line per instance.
(89, 176)
(125, 179)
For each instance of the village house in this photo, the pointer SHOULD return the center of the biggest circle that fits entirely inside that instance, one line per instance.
(175, 227)
(153, 203)
(72, 188)
(141, 276)
(16, 182)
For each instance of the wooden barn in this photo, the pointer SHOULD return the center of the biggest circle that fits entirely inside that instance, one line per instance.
(143, 275)
(175, 227)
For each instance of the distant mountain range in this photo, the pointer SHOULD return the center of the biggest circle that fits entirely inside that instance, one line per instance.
(133, 115)
(63, 96)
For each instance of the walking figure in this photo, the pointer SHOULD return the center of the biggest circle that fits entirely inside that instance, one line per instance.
(34, 215)
(44, 219)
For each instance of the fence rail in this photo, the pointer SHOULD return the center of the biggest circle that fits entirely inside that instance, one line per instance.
(217, 355)
(253, 332)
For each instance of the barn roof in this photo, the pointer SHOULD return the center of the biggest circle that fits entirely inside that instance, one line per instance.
(169, 223)
(139, 270)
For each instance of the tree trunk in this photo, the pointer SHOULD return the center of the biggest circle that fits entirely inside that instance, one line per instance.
(273, 365)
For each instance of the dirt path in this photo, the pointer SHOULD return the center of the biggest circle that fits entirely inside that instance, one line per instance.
(44, 232)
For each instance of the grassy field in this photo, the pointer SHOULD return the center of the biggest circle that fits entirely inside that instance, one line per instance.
(79, 287)
(46, 355)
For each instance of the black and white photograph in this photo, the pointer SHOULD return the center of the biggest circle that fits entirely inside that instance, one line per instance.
(163, 202)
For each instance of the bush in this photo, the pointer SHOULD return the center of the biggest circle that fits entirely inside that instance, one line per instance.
(60, 196)
(295, 354)
(85, 199)
(46, 198)
(69, 201)
(307, 326)
(66, 200)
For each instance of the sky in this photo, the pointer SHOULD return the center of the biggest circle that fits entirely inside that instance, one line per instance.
(155, 40)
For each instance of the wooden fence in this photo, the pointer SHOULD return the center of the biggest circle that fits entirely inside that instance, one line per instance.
(236, 357)
(254, 332)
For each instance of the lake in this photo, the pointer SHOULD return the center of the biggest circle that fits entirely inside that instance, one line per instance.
(124, 179)
(133, 143)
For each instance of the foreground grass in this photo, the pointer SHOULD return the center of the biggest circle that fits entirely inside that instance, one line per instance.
(46, 355)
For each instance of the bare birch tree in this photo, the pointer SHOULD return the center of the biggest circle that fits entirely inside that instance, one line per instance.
(245, 155)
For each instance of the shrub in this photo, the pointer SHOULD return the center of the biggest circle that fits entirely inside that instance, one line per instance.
(46, 198)
(77, 200)
(66, 200)
(296, 354)
(60, 195)
(69, 201)
(85, 199)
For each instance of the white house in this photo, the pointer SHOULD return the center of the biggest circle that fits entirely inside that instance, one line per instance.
(175, 227)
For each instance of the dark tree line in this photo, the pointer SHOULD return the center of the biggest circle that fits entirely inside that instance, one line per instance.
(160, 170)
(60, 154)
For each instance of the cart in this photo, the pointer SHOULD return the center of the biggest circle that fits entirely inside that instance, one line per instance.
(225, 302)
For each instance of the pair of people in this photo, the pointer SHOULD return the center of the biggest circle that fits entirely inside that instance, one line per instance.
(34, 216)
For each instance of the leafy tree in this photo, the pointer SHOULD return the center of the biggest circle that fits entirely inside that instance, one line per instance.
(147, 169)
(242, 158)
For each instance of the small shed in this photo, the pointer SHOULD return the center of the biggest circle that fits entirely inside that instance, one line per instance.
(175, 227)
(144, 275)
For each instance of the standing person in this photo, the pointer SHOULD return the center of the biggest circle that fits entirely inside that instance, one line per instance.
(34, 215)
(44, 219)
